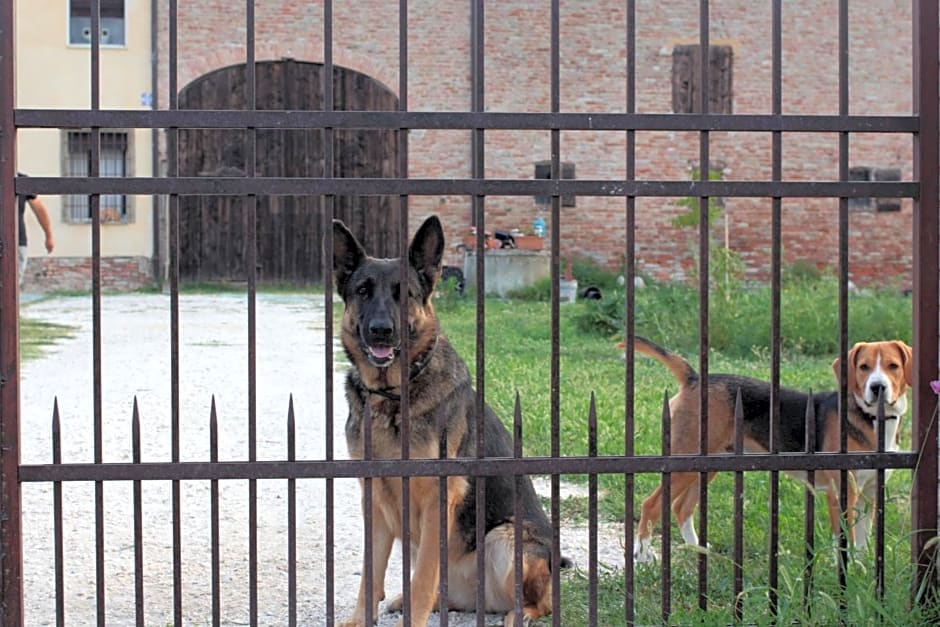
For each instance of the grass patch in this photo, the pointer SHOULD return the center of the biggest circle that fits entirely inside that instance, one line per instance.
(37, 336)
(518, 361)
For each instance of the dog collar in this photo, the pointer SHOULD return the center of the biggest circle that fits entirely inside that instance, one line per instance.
(416, 369)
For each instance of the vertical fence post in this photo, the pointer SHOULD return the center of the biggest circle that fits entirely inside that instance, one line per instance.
(926, 162)
(11, 567)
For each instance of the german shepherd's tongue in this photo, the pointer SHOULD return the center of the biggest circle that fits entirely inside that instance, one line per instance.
(381, 352)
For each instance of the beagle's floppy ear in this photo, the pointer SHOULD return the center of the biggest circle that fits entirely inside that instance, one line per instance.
(850, 379)
(907, 359)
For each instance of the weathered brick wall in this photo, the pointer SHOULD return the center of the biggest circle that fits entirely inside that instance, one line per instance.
(118, 274)
(593, 79)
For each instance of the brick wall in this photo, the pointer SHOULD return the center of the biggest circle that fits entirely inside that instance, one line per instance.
(593, 78)
(118, 274)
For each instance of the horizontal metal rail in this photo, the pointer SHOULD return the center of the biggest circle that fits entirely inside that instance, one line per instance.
(314, 469)
(437, 120)
(297, 186)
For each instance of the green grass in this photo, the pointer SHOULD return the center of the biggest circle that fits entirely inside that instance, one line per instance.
(517, 345)
(37, 336)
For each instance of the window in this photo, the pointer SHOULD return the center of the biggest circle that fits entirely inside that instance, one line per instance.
(111, 22)
(687, 79)
(866, 173)
(113, 162)
(543, 170)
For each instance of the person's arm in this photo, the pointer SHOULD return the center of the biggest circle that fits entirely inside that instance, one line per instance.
(42, 215)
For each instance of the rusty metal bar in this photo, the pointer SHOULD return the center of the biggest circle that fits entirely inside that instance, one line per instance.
(809, 516)
(879, 513)
(404, 274)
(327, 228)
(214, 518)
(925, 227)
(491, 466)
(704, 275)
(138, 522)
(368, 522)
(172, 158)
(592, 516)
(478, 203)
(517, 514)
(94, 171)
(251, 271)
(738, 559)
(11, 539)
(57, 526)
(842, 561)
(629, 431)
(291, 520)
(444, 537)
(773, 563)
(666, 524)
(314, 186)
(461, 120)
(555, 376)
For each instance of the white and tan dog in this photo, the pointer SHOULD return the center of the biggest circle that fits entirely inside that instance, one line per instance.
(872, 368)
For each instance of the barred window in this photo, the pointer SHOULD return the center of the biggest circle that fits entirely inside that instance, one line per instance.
(543, 170)
(113, 162)
(111, 22)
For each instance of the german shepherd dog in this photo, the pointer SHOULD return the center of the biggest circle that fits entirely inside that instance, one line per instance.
(438, 381)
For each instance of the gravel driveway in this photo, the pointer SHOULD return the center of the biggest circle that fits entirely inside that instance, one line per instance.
(213, 362)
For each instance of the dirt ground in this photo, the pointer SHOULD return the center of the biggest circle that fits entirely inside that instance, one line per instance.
(213, 351)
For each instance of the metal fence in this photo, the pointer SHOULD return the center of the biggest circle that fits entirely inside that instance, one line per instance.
(921, 125)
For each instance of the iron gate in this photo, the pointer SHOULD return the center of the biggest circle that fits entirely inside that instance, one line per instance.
(922, 125)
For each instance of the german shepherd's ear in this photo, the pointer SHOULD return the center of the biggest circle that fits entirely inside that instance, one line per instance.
(347, 255)
(426, 252)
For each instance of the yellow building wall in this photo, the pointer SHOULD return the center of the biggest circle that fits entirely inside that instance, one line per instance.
(53, 74)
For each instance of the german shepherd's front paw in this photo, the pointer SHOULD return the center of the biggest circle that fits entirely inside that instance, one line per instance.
(352, 622)
(394, 605)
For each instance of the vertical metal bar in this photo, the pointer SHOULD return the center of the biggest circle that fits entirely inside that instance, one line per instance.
(404, 274)
(926, 220)
(704, 243)
(95, 202)
(880, 504)
(368, 566)
(251, 240)
(666, 521)
(138, 522)
(214, 518)
(555, 312)
(157, 266)
(775, 255)
(842, 561)
(11, 540)
(809, 520)
(174, 272)
(327, 229)
(738, 561)
(291, 521)
(478, 205)
(57, 527)
(517, 492)
(629, 431)
(592, 516)
(442, 518)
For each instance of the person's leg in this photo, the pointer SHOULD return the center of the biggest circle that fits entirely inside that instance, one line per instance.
(23, 259)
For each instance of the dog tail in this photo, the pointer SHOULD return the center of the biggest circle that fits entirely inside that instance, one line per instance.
(682, 370)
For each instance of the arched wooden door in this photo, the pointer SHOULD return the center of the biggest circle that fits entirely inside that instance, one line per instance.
(289, 228)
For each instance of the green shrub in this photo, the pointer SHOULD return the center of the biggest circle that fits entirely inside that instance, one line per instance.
(739, 320)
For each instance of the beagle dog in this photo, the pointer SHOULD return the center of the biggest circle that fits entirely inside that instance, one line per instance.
(873, 368)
